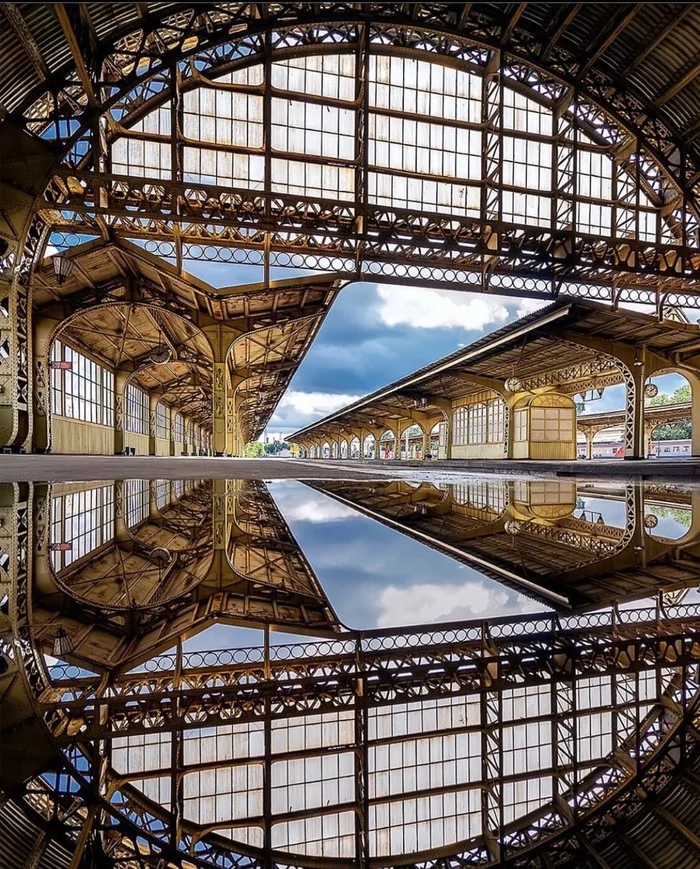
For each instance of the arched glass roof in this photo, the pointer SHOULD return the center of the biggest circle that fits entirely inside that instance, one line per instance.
(422, 150)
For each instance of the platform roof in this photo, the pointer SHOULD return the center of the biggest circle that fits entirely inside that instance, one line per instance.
(121, 302)
(536, 345)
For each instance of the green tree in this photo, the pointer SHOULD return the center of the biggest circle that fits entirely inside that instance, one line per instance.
(680, 514)
(680, 396)
(672, 431)
(273, 448)
(254, 450)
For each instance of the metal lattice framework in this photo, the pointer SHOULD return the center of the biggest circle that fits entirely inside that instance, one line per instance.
(472, 235)
(609, 700)
(356, 687)
(126, 80)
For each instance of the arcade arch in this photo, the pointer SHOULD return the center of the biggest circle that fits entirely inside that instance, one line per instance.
(107, 367)
(482, 413)
(125, 309)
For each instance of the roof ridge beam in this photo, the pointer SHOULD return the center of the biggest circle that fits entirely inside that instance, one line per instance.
(26, 38)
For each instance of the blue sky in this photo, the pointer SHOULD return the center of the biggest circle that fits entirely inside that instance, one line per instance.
(374, 334)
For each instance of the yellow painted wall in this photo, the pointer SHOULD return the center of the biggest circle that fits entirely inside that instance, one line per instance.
(178, 448)
(139, 441)
(478, 451)
(475, 398)
(536, 447)
(162, 446)
(562, 450)
(521, 450)
(555, 450)
(75, 437)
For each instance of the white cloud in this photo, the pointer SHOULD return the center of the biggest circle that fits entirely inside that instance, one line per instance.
(424, 308)
(529, 306)
(319, 511)
(424, 603)
(298, 409)
(314, 403)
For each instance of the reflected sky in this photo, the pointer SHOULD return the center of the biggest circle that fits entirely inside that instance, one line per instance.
(378, 555)
(378, 578)
(374, 576)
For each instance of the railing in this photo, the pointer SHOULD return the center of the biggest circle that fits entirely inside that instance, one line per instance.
(492, 632)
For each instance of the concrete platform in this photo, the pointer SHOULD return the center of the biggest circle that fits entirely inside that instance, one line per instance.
(35, 468)
(645, 469)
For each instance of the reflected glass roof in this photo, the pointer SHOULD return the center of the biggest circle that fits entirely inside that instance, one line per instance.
(386, 598)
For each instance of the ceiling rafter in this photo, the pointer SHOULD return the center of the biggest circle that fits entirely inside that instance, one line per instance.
(512, 22)
(678, 84)
(76, 51)
(87, 23)
(609, 35)
(563, 20)
(666, 30)
(24, 34)
(464, 15)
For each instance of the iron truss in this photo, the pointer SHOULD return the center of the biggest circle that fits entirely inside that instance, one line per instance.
(358, 238)
(366, 673)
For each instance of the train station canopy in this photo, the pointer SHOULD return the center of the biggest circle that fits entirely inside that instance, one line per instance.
(572, 343)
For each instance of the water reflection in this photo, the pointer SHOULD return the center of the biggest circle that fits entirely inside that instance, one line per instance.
(565, 544)
(378, 576)
(283, 748)
(127, 569)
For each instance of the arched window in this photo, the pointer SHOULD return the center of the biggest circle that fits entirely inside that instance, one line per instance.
(477, 423)
(80, 388)
(136, 418)
(460, 426)
(496, 417)
(179, 429)
(162, 421)
(426, 148)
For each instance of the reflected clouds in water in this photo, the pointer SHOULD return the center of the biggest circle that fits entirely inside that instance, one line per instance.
(377, 577)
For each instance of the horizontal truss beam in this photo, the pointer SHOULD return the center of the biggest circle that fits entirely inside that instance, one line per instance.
(386, 244)
(140, 703)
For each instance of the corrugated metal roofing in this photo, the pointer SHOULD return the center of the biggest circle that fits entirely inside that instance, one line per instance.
(666, 36)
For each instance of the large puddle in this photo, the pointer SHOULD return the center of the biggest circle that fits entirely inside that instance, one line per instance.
(335, 668)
